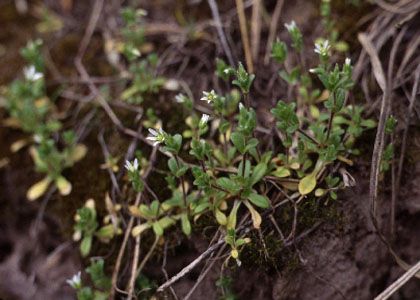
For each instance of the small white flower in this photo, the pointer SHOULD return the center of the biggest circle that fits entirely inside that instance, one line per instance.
(348, 61)
(38, 138)
(240, 105)
(135, 52)
(132, 167)
(31, 74)
(75, 282)
(90, 203)
(226, 71)
(312, 70)
(322, 48)
(209, 96)
(156, 136)
(291, 26)
(204, 119)
(180, 98)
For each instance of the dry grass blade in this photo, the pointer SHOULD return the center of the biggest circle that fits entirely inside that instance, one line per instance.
(131, 282)
(256, 28)
(399, 283)
(220, 32)
(379, 144)
(380, 135)
(244, 35)
(191, 266)
(376, 63)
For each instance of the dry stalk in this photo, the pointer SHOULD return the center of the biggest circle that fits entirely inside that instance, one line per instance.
(244, 35)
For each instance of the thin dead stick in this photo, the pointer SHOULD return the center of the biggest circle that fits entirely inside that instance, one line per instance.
(133, 276)
(128, 232)
(379, 146)
(276, 226)
(165, 255)
(380, 135)
(256, 28)
(191, 266)
(107, 155)
(399, 282)
(121, 252)
(220, 32)
(244, 35)
(273, 29)
(204, 273)
(147, 257)
(96, 11)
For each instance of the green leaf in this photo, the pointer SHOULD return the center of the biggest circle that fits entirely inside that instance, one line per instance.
(320, 192)
(85, 245)
(106, 232)
(38, 189)
(157, 228)
(279, 52)
(256, 217)
(229, 185)
(258, 173)
(238, 140)
(247, 169)
(307, 184)
(137, 230)
(259, 200)
(340, 96)
(243, 79)
(252, 143)
(97, 274)
(166, 222)
(178, 141)
(186, 225)
(177, 168)
(281, 172)
(287, 120)
(220, 217)
(369, 123)
(231, 222)
(63, 185)
(173, 166)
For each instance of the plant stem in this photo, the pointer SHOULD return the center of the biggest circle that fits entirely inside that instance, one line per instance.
(184, 195)
(329, 125)
(247, 102)
(203, 166)
(309, 137)
(219, 188)
(225, 144)
(243, 164)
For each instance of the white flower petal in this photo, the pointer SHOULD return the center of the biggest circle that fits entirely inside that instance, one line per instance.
(153, 132)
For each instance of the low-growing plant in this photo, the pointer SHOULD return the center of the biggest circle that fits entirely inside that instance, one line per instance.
(142, 70)
(233, 170)
(224, 283)
(101, 284)
(221, 164)
(32, 111)
(87, 226)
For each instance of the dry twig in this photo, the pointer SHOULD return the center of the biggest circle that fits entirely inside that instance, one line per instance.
(244, 35)
(399, 283)
(256, 28)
